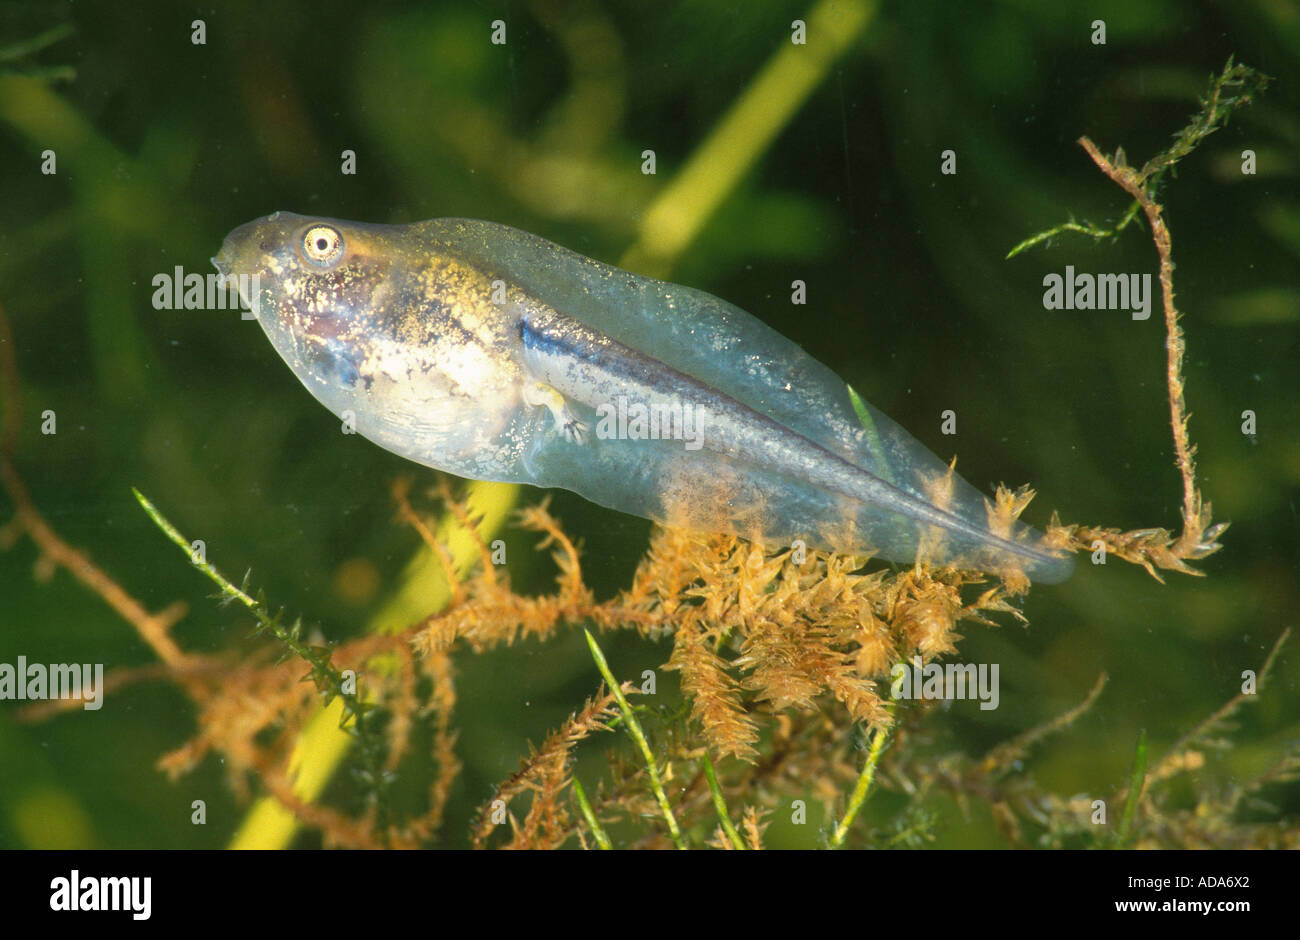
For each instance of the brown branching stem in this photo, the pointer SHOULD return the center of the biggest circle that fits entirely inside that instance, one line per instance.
(1231, 89)
(1196, 514)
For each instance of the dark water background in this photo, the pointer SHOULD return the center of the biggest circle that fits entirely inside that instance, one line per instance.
(164, 146)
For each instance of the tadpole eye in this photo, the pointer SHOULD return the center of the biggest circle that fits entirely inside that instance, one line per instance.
(322, 245)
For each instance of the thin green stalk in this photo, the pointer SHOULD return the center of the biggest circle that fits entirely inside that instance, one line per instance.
(328, 680)
(228, 590)
(634, 729)
(720, 803)
(869, 425)
(740, 137)
(1084, 228)
(862, 788)
(26, 47)
(602, 838)
(1135, 783)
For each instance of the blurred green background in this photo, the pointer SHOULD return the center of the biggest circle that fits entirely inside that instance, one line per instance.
(163, 146)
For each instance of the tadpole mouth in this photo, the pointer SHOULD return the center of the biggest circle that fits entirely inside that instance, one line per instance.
(235, 248)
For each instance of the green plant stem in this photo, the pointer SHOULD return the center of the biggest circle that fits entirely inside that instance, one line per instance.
(861, 788)
(328, 680)
(26, 47)
(228, 589)
(598, 831)
(869, 425)
(1231, 89)
(720, 803)
(1135, 783)
(1085, 228)
(741, 135)
(634, 729)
